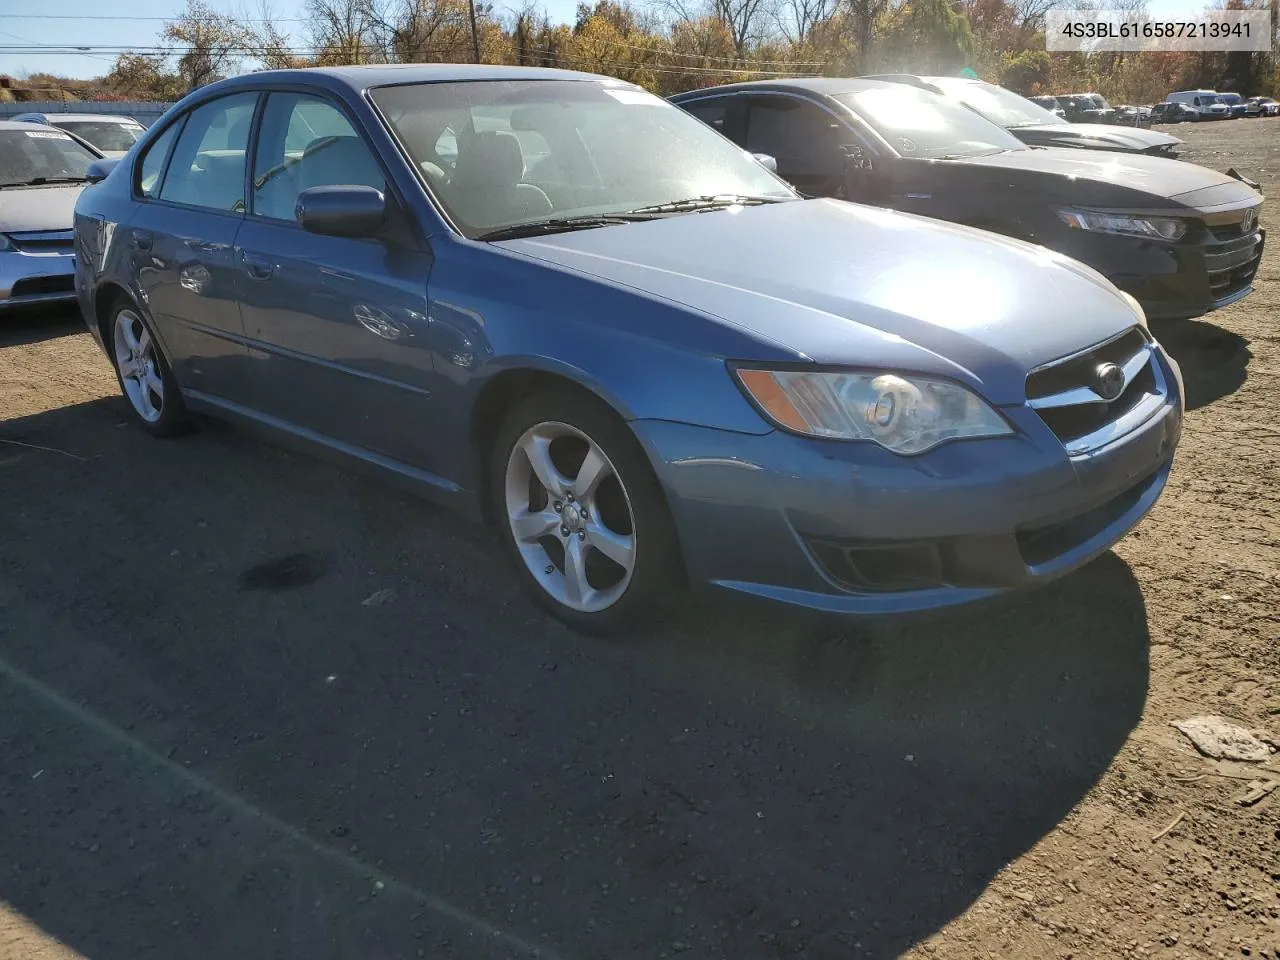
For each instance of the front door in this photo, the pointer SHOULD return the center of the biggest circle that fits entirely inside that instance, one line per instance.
(181, 240)
(336, 327)
(806, 140)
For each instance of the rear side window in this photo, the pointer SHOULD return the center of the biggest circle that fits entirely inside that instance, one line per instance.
(208, 166)
(304, 142)
(152, 165)
(712, 114)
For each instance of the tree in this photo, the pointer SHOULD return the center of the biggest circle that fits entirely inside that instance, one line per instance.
(208, 44)
(927, 36)
(142, 77)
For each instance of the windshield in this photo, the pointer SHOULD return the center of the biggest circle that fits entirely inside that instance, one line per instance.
(105, 134)
(1099, 102)
(996, 103)
(923, 125)
(26, 155)
(497, 152)
(1231, 98)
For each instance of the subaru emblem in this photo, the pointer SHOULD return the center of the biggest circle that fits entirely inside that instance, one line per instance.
(1108, 381)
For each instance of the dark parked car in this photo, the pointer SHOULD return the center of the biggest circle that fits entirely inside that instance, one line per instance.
(1235, 103)
(1087, 108)
(1262, 107)
(1181, 238)
(1034, 125)
(558, 302)
(1050, 104)
(1170, 112)
(42, 171)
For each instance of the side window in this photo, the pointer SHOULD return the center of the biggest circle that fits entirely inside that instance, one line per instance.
(305, 142)
(208, 165)
(152, 164)
(803, 137)
(714, 113)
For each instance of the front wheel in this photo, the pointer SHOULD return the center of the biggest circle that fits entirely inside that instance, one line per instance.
(583, 515)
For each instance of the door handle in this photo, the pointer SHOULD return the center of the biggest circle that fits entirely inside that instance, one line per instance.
(257, 267)
(142, 239)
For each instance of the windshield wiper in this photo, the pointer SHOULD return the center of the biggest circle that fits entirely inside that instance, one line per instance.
(533, 228)
(709, 201)
(42, 181)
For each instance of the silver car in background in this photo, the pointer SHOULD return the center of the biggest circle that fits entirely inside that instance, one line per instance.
(42, 171)
(109, 134)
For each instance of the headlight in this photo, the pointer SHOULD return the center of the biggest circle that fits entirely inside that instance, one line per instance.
(1155, 228)
(5, 244)
(907, 414)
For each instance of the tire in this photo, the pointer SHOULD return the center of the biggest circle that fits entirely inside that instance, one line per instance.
(592, 488)
(146, 381)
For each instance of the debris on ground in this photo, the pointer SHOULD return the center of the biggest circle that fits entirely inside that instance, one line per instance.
(1258, 791)
(378, 598)
(1217, 738)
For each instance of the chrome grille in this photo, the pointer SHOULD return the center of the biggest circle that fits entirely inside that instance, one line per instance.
(43, 241)
(1067, 393)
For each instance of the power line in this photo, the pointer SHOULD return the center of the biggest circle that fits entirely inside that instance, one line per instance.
(258, 50)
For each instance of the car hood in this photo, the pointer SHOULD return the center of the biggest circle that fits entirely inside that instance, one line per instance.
(1096, 135)
(841, 283)
(1157, 176)
(28, 209)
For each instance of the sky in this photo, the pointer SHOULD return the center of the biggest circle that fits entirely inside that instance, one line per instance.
(74, 23)
(70, 23)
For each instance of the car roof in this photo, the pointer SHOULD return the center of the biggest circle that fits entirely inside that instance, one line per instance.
(823, 86)
(111, 117)
(18, 125)
(367, 76)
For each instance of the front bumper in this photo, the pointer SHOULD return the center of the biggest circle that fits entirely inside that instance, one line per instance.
(851, 528)
(37, 276)
(1174, 281)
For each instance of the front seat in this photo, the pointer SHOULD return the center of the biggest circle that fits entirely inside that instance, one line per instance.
(332, 161)
(486, 189)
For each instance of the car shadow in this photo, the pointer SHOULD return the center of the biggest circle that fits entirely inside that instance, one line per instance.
(1214, 361)
(254, 704)
(33, 326)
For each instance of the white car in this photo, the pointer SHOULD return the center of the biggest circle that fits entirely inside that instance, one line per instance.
(42, 171)
(111, 135)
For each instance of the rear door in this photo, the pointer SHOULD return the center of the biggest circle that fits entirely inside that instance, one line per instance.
(337, 327)
(190, 184)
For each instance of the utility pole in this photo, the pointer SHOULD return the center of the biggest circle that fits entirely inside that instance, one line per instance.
(475, 37)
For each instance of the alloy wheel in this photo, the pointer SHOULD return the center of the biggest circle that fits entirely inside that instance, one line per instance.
(570, 516)
(139, 366)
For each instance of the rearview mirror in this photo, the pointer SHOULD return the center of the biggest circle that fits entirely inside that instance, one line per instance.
(769, 162)
(99, 169)
(343, 210)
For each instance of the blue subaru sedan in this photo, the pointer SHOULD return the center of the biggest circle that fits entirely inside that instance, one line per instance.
(567, 307)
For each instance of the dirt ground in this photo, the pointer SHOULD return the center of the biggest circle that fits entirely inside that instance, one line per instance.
(211, 746)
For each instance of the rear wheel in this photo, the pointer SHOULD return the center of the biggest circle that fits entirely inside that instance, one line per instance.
(583, 515)
(145, 378)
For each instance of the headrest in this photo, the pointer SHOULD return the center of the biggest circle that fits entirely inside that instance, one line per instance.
(338, 160)
(491, 157)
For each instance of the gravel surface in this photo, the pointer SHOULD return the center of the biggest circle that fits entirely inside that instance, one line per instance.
(211, 746)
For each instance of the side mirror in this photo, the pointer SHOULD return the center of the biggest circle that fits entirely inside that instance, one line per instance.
(99, 169)
(344, 210)
(770, 163)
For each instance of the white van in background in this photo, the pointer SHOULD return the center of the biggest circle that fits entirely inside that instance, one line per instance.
(1206, 103)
